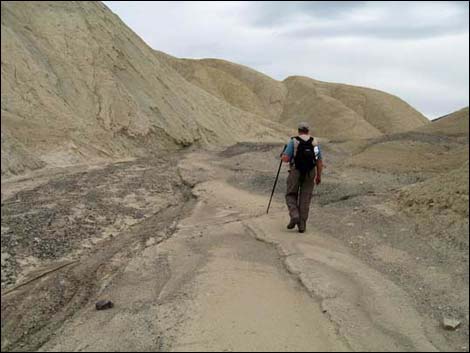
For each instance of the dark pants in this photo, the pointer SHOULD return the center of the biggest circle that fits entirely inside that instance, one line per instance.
(299, 194)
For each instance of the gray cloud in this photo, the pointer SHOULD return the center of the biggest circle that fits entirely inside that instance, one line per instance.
(415, 50)
(386, 31)
(274, 13)
(389, 20)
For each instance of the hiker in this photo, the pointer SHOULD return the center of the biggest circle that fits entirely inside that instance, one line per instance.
(304, 157)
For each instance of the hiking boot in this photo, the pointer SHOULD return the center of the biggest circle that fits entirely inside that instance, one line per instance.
(302, 226)
(293, 222)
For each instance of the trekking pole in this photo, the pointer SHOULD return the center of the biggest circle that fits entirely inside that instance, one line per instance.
(275, 181)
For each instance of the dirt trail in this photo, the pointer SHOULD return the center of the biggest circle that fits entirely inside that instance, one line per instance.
(232, 278)
(369, 311)
(236, 280)
(241, 297)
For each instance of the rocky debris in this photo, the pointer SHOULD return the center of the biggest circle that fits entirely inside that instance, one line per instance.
(450, 324)
(150, 242)
(5, 258)
(443, 192)
(8, 273)
(173, 227)
(104, 304)
(75, 211)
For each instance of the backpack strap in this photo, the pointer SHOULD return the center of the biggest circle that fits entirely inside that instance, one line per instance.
(314, 145)
(314, 155)
(301, 140)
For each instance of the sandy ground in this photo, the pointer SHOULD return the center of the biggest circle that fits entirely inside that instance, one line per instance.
(212, 272)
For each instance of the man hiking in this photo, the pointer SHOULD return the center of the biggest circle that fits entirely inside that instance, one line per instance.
(304, 157)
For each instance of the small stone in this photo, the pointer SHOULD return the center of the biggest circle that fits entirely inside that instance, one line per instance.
(150, 242)
(104, 304)
(5, 257)
(451, 324)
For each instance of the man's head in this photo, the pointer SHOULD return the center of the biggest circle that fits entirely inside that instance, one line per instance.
(303, 128)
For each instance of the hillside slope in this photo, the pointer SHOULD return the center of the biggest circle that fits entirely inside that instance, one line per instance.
(78, 85)
(334, 110)
(239, 85)
(442, 201)
(438, 147)
(454, 124)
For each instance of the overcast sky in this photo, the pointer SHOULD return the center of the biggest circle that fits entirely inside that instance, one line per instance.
(415, 50)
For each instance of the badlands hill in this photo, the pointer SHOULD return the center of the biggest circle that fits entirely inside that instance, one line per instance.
(335, 110)
(79, 86)
(386, 253)
(437, 156)
(437, 147)
(454, 124)
(443, 199)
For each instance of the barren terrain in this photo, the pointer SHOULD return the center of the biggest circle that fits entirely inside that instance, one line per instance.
(133, 176)
(192, 262)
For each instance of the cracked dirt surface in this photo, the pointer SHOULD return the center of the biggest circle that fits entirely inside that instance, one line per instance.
(213, 272)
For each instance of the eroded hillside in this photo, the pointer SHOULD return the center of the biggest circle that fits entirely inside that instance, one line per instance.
(78, 85)
(335, 110)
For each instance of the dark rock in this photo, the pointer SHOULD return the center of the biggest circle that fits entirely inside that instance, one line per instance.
(104, 304)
